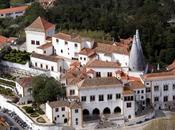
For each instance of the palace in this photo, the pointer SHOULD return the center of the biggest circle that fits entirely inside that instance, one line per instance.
(102, 80)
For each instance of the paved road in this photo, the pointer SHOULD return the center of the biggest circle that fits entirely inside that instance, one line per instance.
(11, 122)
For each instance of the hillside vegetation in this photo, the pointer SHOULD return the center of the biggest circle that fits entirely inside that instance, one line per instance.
(116, 18)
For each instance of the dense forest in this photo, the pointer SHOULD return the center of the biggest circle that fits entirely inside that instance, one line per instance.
(114, 18)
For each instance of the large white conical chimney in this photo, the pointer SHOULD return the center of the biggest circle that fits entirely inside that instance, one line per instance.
(137, 62)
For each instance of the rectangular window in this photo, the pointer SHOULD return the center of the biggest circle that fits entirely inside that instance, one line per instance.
(165, 98)
(46, 66)
(63, 108)
(76, 45)
(61, 51)
(138, 91)
(109, 96)
(37, 43)
(76, 110)
(41, 65)
(142, 91)
(52, 69)
(156, 99)
(101, 98)
(148, 90)
(76, 120)
(56, 109)
(165, 87)
(174, 97)
(66, 43)
(35, 64)
(44, 52)
(72, 92)
(57, 40)
(83, 98)
(92, 98)
(118, 96)
(156, 88)
(32, 42)
(173, 86)
(128, 105)
(109, 74)
(98, 74)
(84, 58)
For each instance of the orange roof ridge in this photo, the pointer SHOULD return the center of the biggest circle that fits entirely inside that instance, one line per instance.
(40, 24)
(13, 9)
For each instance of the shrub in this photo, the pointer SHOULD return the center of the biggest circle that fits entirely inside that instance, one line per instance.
(40, 111)
(40, 120)
(28, 109)
(34, 114)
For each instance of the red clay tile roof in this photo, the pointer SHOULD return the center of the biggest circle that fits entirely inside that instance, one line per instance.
(136, 84)
(56, 104)
(127, 91)
(102, 64)
(45, 46)
(3, 39)
(67, 37)
(103, 82)
(40, 24)
(45, 57)
(160, 76)
(108, 49)
(87, 51)
(13, 9)
(25, 82)
(71, 105)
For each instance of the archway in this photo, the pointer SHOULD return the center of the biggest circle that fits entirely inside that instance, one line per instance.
(96, 111)
(65, 120)
(106, 111)
(117, 110)
(85, 112)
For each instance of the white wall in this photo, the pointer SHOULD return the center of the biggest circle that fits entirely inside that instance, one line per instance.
(69, 50)
(48, 51)
(112, 104)
(36, 36)
(104, 71)
(75, 116)
(12, 15)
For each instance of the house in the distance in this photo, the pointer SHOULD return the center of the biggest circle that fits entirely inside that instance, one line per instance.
(13, 12)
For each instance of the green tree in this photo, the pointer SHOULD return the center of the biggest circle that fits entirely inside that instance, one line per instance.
(46, 89)
(4, 4)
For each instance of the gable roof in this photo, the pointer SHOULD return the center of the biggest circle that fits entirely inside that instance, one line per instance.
(160, 76)
(102, 64)
(40, 25)
(45, 57)
(99, 82)
(68, 37)
(108, 49)
(45, 46)
(136, 84)
(25, 82)
(87, 51)
(3, 39)
(13, 9)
